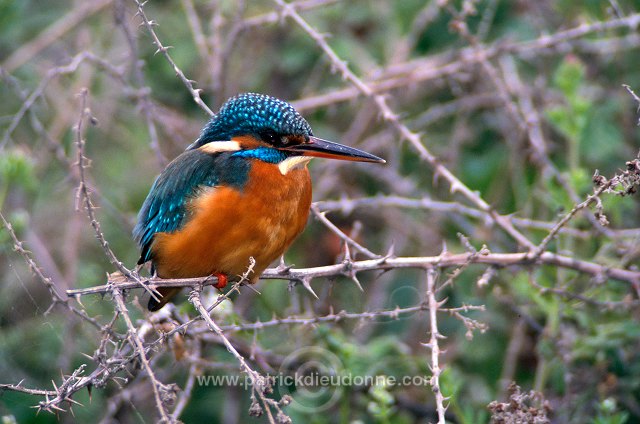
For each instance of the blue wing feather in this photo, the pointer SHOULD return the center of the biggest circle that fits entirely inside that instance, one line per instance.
(166, 207)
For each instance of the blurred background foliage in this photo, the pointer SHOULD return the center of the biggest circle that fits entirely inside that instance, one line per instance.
(583, 357)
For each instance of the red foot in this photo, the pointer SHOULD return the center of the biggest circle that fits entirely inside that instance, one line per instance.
(222, 280)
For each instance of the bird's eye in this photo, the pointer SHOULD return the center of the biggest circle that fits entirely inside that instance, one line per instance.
(269, 136)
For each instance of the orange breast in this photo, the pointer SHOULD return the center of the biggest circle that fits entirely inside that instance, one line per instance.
(228, 226)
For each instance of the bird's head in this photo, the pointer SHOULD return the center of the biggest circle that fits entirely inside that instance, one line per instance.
(263, 127)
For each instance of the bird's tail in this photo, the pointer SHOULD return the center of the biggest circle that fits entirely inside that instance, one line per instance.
(167, 293)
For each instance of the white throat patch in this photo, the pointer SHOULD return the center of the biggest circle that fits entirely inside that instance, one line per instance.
(293, 162)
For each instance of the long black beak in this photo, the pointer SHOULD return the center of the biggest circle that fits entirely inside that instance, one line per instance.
(320, 148)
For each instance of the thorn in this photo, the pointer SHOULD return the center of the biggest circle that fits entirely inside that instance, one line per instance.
(442, 302)
(436, 176)
(255, 290)
(355, 280)
(282, 267)
(68, 399)
(467, 244)
(391, 253)
(347, 252)
(486, 277)
(444, 248)
(78, 299)
(307, 285)
(56, 408)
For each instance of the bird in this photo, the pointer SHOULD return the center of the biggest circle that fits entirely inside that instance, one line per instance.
(242, 190)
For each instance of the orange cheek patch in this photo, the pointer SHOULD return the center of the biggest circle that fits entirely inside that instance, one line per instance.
(249, 142)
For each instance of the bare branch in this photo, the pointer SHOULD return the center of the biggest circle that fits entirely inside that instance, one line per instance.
(434, 344)
(387, 263)
(259, 384)
(139, 349)
(456, 186)
(195, 94)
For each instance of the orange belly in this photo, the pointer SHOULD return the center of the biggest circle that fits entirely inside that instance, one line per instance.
(228, 226)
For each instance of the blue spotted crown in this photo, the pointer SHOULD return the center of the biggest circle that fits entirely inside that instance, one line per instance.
(252, 113)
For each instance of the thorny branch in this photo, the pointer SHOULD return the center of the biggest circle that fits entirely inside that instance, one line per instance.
(433, 344)
(442, 66)
(388, 115)
(83, 192)
(49, 284)
(195, 94)
(259, 384)
(83, 196)
(139, 349)
(444, 260)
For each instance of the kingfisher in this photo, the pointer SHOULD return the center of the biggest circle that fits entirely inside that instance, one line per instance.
(241, 190)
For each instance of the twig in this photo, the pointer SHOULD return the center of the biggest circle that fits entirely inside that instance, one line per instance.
(196, 29)
(185, 396)
(36, 123)
(216, 60)
(275, 17)
(347, 205)
(195, 93)
(144, 98)
(259, 384)
(63, 393)
(448, 260)
(565, 219)
(83, 192)
(516, 341)
(33, 266)
(152, 283)
(636, 98)
(414, 139)
(20, 388)
(71, 67)
(433, 344)
(387, 263)
(343, 315)
(337, 231)
(140, 352)
(533, 126)
(442, 66)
